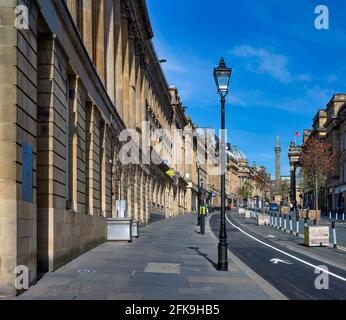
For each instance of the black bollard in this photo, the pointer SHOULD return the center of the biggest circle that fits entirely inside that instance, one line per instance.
(203, 224)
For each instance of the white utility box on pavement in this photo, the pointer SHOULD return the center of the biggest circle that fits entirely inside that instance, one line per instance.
(119, 229)
(316, 236)
(247, 214)
(263, 220)
(135, 227)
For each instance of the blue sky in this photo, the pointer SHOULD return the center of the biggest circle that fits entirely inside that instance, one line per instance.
(284, 69)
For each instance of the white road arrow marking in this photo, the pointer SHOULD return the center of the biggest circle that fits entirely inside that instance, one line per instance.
(277, 261)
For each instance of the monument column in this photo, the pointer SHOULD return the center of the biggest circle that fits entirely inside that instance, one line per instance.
(277, 162)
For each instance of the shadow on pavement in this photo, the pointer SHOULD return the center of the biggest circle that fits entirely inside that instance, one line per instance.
(205, 256)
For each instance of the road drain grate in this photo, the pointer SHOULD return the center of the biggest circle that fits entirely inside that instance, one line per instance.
(86, 271)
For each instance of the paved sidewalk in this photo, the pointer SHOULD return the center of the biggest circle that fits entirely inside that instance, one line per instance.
(170, 261)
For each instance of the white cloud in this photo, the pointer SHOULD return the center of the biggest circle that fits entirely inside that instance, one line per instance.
(263, 61)
(190, 73)
(316, 93)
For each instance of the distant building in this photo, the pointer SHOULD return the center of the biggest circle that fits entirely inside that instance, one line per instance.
(330, 125)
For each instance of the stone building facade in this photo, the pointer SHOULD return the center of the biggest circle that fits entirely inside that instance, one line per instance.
(78, 82)
(329, 124)
(335, 134)
(70, 83)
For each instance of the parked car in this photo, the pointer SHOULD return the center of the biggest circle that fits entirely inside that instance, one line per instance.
(273, 207)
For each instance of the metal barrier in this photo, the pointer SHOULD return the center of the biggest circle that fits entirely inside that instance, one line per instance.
(280, 224)
(334, 235)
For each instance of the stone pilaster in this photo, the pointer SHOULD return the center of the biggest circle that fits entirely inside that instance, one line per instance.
(140, 103)
(118, 58)
(92, 161)
(110, 48)
(53, 146)
(99, 37)
(125, 67)
(87, 31)
(18, 125)
(132, 78)
(109, 176)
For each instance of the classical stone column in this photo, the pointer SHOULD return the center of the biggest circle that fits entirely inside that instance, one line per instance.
(109, 164)
(114, 183)
(145, 198)
(103, 168)
(18, 116)
(277, 162)
(141, 197)
(149, 199)
(129, 191)
(118, 57)
(73, 140)
(140, 104)
(73, 7)
(92, 164)
(55, 153)
(87, 32)
(144, 97)
(137, 187)
(126, 65)
(110, 48)
(133, 74)
(99, 37)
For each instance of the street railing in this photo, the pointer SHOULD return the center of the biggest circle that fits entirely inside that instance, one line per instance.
(284, 222)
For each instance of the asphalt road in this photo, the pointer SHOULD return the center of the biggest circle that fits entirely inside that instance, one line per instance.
(295, 277)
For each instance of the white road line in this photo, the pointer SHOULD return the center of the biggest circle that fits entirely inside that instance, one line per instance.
(287, 254)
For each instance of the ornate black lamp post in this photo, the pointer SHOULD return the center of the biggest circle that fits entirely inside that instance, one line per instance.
(198, 197)
(222, 76)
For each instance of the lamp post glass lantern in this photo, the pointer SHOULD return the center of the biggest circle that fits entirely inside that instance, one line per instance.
(222, 76)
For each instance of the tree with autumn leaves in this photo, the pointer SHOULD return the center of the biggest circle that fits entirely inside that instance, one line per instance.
(283, 190)
(245, 191)
(262, 180)
(316, 162)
